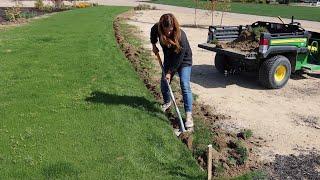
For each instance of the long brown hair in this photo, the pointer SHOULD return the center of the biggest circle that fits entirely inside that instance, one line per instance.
(169, 21)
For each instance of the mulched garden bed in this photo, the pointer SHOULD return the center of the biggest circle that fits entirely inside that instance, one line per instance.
(26, 13)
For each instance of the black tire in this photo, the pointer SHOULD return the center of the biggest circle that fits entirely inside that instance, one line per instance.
(268, 69)
(221, 63)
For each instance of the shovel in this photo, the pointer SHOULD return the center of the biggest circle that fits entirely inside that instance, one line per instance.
(182, 128)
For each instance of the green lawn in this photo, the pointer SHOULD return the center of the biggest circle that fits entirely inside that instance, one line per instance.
(71, 106)
(305, 13)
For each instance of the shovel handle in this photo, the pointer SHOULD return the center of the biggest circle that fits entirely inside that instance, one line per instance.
(182, 128)
(160, 62)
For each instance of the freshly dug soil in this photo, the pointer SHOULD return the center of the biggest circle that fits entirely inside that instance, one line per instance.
(247, 45)
(248, 40)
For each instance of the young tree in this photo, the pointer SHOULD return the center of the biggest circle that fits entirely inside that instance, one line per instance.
(39, 4)
(211, 5)
(225, 7)
(17, 2)
(195, 11)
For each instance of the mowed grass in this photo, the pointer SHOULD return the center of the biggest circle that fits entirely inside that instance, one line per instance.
(303, 13)
(72, 107)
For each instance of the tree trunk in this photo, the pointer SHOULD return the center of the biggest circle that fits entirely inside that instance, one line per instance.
(221, 18)
(212, 12)
(195, 16)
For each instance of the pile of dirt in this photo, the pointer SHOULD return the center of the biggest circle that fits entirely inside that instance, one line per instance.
(248, 39)
(234, 155)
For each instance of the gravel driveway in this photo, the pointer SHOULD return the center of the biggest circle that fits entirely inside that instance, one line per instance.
(287, 119)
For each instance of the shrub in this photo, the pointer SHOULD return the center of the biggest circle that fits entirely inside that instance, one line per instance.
(239, 151)
(28, 15)
(47, 8)
(65, 7)
(144, 7)
(57, 3)
(82, 5)
(245, 134)
(243, 152)
(12, 13)
(39, 4)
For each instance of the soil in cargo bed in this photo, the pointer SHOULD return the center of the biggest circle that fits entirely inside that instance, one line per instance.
(248, 40)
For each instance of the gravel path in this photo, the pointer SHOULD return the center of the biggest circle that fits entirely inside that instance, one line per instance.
(271, 114)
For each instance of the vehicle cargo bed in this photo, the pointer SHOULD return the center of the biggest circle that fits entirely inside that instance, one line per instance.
(228, 51)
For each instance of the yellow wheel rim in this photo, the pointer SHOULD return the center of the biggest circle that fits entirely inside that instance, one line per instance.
(280, 73)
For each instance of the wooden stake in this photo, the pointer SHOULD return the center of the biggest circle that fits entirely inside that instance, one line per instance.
(209, 162)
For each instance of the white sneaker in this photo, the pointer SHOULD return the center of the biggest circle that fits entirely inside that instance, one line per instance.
(177, 132)
(189, 122)
(165, 106)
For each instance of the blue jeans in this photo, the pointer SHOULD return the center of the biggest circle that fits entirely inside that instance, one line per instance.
(184, 74)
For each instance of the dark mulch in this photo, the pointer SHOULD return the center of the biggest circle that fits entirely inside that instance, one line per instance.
(304, 166)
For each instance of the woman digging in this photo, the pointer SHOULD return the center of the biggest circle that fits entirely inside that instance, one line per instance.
(177, 59)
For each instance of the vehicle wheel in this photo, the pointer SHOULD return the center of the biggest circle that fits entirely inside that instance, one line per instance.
(275, 72)
(221, 63)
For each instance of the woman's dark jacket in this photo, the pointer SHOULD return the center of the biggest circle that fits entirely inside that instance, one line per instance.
(172, 60)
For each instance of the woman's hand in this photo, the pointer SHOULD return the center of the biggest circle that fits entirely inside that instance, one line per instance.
(155, 49)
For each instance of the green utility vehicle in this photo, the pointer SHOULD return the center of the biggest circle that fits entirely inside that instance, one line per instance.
(283, 49)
